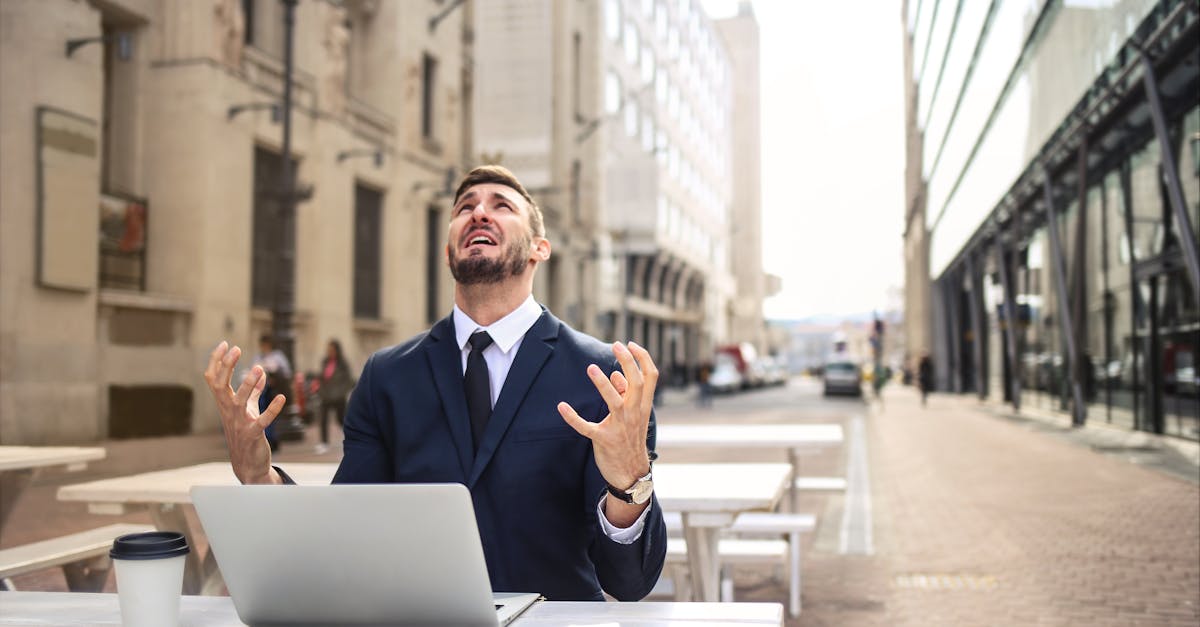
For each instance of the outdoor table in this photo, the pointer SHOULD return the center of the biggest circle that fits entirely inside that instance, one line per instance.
(18, 464)
(86, 608)
(798, 439)
(709, 497)
(164, 492)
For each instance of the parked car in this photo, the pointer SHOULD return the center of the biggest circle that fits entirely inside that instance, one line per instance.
(745, 359)
(725, 376)
(842, 377)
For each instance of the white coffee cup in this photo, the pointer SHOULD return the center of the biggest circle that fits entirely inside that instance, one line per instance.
(149, 577)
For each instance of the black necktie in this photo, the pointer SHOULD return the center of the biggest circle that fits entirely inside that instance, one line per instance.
(478, 385)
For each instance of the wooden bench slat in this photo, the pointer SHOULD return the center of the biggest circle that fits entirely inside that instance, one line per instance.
(67, 549)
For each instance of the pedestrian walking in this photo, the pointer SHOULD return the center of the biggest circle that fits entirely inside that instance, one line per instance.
(705, 398)
(333, 388)
(278, 372)
(925, 376)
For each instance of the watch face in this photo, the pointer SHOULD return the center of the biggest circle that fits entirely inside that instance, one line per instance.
(641, 491)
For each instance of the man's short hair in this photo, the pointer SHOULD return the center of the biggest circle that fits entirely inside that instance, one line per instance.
(266, 338)
(501, 175)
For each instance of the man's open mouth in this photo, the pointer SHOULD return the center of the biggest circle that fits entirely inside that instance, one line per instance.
(480, 239)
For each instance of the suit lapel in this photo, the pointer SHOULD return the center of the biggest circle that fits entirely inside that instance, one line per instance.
(445, 359)
(535, 350)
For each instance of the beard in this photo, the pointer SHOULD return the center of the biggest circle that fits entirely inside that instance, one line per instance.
(480, 270)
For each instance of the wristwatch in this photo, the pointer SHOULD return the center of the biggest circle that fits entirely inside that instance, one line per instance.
(637, 493)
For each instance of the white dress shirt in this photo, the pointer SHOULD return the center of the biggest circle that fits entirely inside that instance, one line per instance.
(507, 334)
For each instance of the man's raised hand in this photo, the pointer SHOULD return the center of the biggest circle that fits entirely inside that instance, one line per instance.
(619, 441)
(244, 425)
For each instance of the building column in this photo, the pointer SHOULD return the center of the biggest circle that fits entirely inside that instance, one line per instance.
(1079, 411)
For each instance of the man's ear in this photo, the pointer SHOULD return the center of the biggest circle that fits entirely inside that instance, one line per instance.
(540, 250)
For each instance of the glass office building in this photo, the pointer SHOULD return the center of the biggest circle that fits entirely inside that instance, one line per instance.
(1054, 194)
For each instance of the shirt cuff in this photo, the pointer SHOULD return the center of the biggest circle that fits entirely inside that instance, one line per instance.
(630, 534)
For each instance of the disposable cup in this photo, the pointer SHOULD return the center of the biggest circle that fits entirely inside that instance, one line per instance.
(149, 577)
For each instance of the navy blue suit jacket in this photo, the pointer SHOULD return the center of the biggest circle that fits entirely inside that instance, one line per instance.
(534, 480)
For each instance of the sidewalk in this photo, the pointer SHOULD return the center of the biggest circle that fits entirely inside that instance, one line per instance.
(981, 519)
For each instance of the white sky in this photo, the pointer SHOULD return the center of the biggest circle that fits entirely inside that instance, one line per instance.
(832, 153)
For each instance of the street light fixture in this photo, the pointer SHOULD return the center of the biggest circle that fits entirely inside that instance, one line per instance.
(123, 39)
(276, 112)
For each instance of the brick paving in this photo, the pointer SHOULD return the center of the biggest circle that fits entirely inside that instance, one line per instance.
(979, 519)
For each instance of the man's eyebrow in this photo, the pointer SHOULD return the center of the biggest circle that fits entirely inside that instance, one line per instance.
(466, 196)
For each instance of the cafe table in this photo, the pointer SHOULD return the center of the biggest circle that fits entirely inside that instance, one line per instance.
(19, 464)
(798, 439)
(708, 498)
(165, 493)
(80, 608)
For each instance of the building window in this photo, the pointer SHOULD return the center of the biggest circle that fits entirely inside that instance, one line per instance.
(631, 44)
(612, 93)
(122, 242)
(612, 19)
(368, 206)
(632, 117)
(268, 172)
(428, 85)
(433, 263)
(248, 22)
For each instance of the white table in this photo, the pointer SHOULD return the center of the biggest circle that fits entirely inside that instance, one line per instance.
(798, 439)
(165, 492)
(18, 464)
(709, 497)
(79, 608)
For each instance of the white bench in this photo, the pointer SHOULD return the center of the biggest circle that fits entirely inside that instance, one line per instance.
(755, 542)
(83, 557)
(732, 552)
(821, 484)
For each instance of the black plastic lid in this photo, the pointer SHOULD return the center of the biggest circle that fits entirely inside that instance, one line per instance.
(150, 545)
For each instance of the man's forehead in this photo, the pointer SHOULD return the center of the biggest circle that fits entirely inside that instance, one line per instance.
(493, 190)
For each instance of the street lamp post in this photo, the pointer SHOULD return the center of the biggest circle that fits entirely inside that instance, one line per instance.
(285, 264)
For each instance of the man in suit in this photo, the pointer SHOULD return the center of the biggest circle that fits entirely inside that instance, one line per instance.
(550, 429)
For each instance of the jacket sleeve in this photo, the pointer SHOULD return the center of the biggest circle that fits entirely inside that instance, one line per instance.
(628, 572)
(366, 456)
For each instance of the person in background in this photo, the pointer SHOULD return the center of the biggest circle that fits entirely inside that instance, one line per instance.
(335, 384)
(925, 376)
(705, 399)
(279, 372)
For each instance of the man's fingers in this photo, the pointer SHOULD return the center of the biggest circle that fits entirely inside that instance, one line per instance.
(249, 383)
(619, 382)
(581, 426)
(227, 363)
(267, 417)
(649, 375)
(633, 392)
(610, 394)
(214, 365)
(259, 385)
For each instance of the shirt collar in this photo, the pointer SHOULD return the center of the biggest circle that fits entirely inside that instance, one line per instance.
(505, 332)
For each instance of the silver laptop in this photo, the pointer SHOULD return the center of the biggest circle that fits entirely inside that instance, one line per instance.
(399, 554)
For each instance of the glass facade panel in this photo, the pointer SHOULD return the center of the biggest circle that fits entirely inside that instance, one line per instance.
(939, 40)
(1001, 48)
(921, 32)
(1148, 228)
(966, 36)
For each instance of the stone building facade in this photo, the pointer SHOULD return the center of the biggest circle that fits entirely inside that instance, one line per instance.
(155, 120)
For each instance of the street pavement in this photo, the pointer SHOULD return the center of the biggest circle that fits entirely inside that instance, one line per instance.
(976, 516)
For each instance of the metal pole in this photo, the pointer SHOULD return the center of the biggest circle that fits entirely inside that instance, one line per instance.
(977, 330)
(1079, 411)
(953, 292)
(1010, 319)
(1183, 223)
(285, 267)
